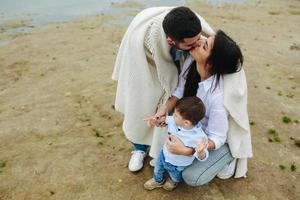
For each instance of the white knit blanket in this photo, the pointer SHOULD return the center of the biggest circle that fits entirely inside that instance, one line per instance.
(239, 137)
(142, 85)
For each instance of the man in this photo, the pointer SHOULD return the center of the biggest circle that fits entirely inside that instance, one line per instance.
(147, 67)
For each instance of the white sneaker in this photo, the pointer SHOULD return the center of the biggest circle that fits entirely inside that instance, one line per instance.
(228, 170)
(136, 161)
(152, 162)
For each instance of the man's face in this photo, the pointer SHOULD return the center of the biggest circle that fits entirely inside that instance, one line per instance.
(188, 43)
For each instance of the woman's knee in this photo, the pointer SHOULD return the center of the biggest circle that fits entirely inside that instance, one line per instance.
(192, 180)
(200, 173)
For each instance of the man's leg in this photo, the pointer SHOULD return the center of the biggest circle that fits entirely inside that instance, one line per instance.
(137, 157)
(140, 147)
(200, 173)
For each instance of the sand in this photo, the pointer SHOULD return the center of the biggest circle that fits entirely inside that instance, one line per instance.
(60, 137)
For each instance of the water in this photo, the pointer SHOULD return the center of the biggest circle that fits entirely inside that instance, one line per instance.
(42, 12)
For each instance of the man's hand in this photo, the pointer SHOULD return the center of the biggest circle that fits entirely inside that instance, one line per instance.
(158, 119)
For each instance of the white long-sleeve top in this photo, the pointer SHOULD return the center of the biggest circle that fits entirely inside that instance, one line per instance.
(215, 121)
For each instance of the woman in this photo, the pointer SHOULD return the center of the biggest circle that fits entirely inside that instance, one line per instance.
(218, 61)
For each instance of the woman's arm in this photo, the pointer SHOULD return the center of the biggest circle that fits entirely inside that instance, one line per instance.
(217, 126)
(167, 107)
(176, 146)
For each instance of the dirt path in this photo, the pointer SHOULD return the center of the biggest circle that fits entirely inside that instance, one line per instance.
(61, 139)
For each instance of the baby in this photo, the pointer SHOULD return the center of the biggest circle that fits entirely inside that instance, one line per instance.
(185, 125)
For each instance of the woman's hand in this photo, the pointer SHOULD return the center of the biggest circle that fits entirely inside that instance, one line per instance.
(176, 146)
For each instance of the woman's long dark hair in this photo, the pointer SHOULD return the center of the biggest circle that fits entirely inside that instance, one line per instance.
(192, 81)
(225, 58)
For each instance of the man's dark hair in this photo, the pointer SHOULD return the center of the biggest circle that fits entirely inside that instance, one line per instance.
(180, 23)
(191, 108)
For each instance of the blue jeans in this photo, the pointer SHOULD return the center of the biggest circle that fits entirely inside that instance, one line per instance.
(161, 166)
(140, 147)
(200, 173)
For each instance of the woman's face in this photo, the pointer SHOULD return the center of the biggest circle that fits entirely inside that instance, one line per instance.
(201, 53)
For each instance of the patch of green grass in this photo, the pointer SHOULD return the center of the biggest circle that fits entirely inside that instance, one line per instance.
(286, 119)
(274, 13)
(282, 167)
(272, 131)
(279, 93)
(2, 163)
(252, 123)
(293, 167)
(297, 143)
(296, 121)
(295, 47)
(294, 12)
(277, 139)
(290, 95)
(100, 143)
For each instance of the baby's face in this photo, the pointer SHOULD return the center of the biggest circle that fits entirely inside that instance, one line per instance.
(178, 118)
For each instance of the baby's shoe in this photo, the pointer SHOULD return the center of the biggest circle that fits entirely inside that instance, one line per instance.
(170, 185)
(152, 162)
(152, 184)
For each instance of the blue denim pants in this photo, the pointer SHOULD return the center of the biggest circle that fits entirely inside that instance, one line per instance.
(175, 172)
(200, 173)
(140, 147)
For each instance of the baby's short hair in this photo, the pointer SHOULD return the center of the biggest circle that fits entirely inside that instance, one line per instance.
(191, 108)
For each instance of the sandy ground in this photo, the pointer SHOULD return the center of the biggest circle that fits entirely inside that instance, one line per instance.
(60, 137)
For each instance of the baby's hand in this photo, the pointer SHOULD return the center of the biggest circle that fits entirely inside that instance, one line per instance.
(155, 121)
(151, 121)
(202, 144)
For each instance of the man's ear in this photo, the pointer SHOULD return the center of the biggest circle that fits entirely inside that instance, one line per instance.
(170, 41)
